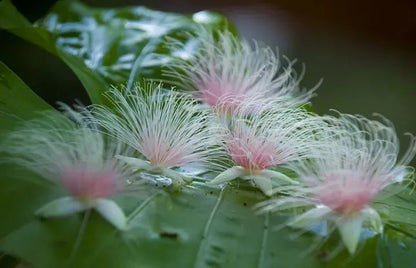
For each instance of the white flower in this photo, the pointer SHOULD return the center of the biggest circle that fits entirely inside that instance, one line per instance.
(359, 160)
(262, 140)
(228, 72)
(163, 126)
(75, 155)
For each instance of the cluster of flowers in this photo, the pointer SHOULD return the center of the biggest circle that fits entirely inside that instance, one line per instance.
(243, 115)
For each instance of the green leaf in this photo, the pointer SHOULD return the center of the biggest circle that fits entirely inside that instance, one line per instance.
(17, 100)
(106, 47)
(396, 249)
(94, 84)
(399, 211)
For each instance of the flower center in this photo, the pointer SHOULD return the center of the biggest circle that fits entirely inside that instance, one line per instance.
(222, 95)
(88, 183)
(252, 154)
(161, 153)
(347, 194)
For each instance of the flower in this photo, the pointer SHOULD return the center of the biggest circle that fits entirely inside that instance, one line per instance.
(228, 72)
(76, 155)
(163, 126)
(259, 141)
(357, 163)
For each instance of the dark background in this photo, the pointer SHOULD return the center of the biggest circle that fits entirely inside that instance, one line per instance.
(365, 51)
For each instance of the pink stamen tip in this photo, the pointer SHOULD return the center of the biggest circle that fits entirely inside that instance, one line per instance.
(84, 182)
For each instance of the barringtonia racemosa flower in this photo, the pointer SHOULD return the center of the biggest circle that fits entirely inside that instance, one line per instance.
(228, 71)
(76, 155)
(162, 125)
(260, 141)
(359, 160)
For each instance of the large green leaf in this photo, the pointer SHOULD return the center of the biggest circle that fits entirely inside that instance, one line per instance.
(106, 47)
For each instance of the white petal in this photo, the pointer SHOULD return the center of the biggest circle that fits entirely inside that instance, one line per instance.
(111, 212)
(61, 207)
(277, 175)
(350, 229)
(227, 175)
(311, 217)
(135, 162)
(265, 184)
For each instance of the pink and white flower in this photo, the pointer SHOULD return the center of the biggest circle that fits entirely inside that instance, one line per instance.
(163, 126)
(229, 72)
(76, 155)
(260, 141)
(359, 160)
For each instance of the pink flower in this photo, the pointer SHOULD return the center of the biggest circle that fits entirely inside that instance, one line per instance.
(251, 152)
(163, 126)
(76, 155)
(357, 162)
(228, 72)
(259, 141)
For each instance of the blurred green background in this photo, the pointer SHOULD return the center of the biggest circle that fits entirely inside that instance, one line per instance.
(364, 51)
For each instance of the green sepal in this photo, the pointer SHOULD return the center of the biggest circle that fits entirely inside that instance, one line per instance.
(264, 183)
(313, 216)
(227, 175)
(272, 174)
